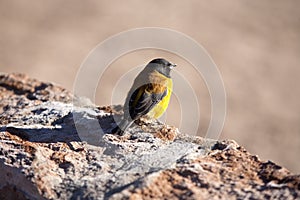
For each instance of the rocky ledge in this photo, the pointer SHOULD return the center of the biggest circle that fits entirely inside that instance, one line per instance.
(56, 146)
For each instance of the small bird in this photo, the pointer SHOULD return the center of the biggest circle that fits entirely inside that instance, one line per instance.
(149, 95)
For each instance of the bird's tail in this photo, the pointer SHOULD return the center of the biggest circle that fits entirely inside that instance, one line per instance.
(120, 129)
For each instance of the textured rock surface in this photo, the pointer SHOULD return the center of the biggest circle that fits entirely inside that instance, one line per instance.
(53, 148)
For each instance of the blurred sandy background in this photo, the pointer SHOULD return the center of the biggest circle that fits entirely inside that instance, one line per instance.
(256, 45)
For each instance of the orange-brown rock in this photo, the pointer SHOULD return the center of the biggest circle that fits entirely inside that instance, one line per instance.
(51, 148)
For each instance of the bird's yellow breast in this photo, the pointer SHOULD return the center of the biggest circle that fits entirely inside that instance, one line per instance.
(161, 107)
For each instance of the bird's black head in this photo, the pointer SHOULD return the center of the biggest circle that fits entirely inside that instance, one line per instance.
(162, 66)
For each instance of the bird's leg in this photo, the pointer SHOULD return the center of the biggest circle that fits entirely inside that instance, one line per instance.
(146, 119)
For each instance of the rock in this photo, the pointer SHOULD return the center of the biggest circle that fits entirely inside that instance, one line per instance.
(57, 146)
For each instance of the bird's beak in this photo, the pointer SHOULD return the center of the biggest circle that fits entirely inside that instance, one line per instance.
(173, 65)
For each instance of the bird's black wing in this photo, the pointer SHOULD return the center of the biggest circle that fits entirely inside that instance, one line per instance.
(142, 101)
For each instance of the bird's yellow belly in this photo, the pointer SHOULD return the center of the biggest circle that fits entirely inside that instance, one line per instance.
(162, 106)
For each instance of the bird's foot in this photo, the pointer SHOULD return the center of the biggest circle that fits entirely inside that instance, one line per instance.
(146, 120)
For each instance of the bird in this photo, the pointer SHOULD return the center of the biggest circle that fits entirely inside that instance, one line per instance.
(149, 95)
